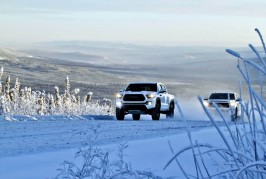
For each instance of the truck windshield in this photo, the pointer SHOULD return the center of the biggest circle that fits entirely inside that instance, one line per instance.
(219, 96)
(142, 87)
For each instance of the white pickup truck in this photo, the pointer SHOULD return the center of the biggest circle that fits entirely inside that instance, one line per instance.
(228, 102)
(144, 98)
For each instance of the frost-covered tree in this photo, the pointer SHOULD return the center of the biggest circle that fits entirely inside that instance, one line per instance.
(15, 95)
(67, 97)
(12, 95)
(2, 105)
(41, 103)
(16, 88)
(22, 94)
(67, 88)
(57, 97)
(1, 74)
(51, 104)
(7, 88)
(28, 93)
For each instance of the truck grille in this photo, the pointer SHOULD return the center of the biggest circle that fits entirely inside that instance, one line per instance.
(134, 107)
(221, 105)
(133, 97)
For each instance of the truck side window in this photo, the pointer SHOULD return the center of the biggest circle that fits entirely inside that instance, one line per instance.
(163, 87)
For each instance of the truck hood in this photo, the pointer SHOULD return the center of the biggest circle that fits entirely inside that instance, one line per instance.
(139, 92)
(219, 100)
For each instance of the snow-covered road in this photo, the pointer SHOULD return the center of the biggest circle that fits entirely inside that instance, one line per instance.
(53, 133)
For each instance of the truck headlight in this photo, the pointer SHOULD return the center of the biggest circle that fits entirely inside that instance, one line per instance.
(118, 95)
(206, 103)
(233, 103)
(149, 103)
(151, 96)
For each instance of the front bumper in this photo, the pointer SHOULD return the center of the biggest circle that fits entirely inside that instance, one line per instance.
(136, 107)
(230, 110)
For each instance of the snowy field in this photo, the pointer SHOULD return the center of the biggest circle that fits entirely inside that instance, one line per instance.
(63, 132)
(35, 146)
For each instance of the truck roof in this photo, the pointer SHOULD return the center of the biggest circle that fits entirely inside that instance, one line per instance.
(144, 83)
(223, 93)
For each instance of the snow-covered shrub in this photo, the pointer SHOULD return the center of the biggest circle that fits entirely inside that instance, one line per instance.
(24, 101)
(88, 96)
(1, 74)
(243, 154)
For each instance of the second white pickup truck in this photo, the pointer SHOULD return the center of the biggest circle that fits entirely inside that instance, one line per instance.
(228, 102)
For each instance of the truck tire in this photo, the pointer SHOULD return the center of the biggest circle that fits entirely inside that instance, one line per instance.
(155, 115)
(136, 116)
(234, 116)
(171, 112)
(120, 115)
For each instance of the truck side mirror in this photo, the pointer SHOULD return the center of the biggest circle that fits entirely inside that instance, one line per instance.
(238, 99)
(205, 99)
(121, 90)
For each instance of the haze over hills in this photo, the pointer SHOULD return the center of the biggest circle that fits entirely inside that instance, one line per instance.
(123, 53)
(104, 68)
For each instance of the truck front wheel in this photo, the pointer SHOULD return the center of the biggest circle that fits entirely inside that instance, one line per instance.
(120, 115)
(155, 115)
(234, 116)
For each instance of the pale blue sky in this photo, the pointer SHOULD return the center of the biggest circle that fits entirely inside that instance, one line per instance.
(187, 22)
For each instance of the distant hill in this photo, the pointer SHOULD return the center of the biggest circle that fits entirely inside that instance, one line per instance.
(70, 56)
(8, 53)
(125, 53)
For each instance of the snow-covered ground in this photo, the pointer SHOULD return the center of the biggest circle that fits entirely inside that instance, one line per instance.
(146, 154)
(53, 133)
(35, 146)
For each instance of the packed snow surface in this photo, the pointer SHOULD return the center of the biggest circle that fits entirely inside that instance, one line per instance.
(34, 147)
(35, 134)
